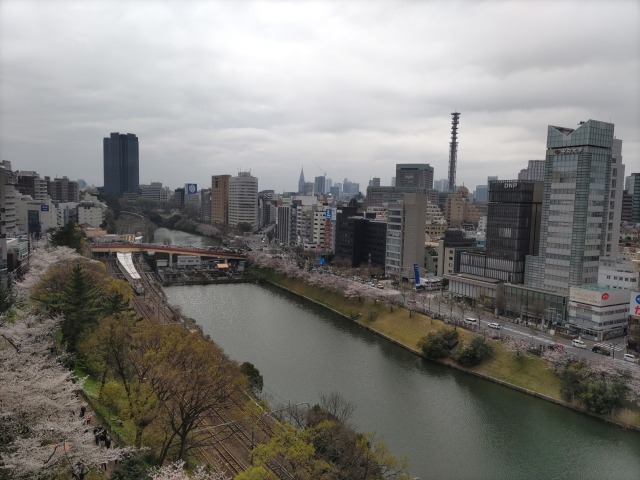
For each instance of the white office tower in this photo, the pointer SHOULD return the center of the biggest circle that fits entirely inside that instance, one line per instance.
(243, 200)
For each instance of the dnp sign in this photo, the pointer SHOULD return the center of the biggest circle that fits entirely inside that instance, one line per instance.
(634, 304)
(192, 188)
(416, 273)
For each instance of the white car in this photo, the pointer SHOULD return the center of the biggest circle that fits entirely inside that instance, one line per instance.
(495, 325)
(629, 358)
(578, 343)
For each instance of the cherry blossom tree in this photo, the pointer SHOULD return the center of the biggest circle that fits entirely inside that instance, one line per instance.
(39, 263)
(557, 358)
(176, 471)
(519, 346)
(43, 432)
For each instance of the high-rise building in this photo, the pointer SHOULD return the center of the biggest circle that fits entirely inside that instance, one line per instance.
(535, 170)
(318, 185)
(121, 164)
(220, 199)
(513, 229)
(581, 206)
(441, 185)
(416, 175)
(635, 201)
(405, 235)
(301, 181)
(243, 200)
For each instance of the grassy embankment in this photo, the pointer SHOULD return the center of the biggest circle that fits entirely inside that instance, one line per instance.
(532, 374)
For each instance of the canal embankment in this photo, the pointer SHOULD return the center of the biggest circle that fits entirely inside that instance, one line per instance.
(530, 375)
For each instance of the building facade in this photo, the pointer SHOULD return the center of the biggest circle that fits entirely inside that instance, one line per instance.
(121, 164)
(634, 188)
(581, 210)
(243, 200)
(405, 244)
(414, 175)
(220, 199)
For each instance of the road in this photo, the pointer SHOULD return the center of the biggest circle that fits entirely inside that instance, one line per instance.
(426, 302)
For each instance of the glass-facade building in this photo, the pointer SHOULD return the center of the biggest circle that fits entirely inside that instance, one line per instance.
(579, 206)
(121, 164)
(513, 229)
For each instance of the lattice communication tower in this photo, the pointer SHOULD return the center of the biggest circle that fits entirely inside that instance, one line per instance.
(453, 151)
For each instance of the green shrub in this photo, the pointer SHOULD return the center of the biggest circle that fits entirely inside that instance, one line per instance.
(438, 344)
(475, 352)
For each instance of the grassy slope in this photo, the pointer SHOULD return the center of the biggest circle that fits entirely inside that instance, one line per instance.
(528, 373)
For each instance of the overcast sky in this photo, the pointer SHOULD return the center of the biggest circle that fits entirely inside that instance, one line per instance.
(347, 88)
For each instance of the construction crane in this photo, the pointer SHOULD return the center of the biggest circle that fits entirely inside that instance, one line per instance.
(324, 174)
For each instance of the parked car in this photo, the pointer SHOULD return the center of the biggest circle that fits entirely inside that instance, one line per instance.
(556, 346)
(471, 321)
(629, 358)
(578, 343)
(495, 325)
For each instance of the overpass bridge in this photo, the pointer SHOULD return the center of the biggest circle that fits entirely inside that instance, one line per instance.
(152, 249)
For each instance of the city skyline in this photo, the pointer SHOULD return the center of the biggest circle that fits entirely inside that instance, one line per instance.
(221, 87)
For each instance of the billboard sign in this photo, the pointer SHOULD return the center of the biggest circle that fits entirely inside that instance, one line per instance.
(416, 273)
(328, 213)
(191, 188)
(44, 208)
(634, 304)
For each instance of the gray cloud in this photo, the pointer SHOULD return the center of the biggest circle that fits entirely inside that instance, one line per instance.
(347, 87)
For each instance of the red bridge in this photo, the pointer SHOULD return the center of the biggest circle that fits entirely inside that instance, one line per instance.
(177, 249)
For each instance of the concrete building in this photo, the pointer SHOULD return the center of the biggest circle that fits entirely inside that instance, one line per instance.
(63, 190)
(66, 212)
(267, 208)
(450, 248)
(405, 235)
(459, 209)
(414, 175)
(619, 274)
(379, 196)
(205, 205)
(121, 163)
(598, 312)
(243, 200)
(156, 193)
(91, 214)
(220, 199)
(30, 183)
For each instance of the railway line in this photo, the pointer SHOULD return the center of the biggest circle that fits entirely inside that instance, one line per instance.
(243, 427)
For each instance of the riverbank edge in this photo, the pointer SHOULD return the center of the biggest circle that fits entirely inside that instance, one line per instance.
(449, 363)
